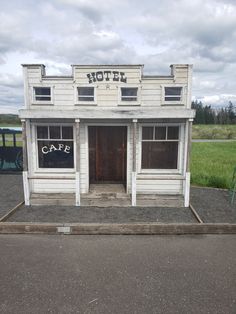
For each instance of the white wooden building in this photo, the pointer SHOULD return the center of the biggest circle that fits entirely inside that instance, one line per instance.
(107, 124)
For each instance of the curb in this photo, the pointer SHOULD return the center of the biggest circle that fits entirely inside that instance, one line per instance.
(115, 229)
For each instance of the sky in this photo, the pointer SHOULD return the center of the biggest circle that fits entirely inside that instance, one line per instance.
(155, 33)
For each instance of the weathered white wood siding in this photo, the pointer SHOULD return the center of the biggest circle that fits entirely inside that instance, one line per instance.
(107, 93)
(84, 159)
(157, 186)
(53, 185)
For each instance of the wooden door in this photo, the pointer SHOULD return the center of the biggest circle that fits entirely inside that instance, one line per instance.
(107, 153)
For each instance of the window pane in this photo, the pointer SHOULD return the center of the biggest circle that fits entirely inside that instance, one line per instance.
(42, 91)
(173, 98)
(54, 132)
(147, 133)
(159, 155)
(173, 133)
(86, 98)
(55, 154)
(42, 98)
(160, 133)
(173, 91)
(67, 132)
(86, 93)
(42, 132)
(129, 92)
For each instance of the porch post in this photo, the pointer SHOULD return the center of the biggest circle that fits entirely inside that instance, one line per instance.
(187, 174)
(77, 163)
(25, 164)
(134, 171)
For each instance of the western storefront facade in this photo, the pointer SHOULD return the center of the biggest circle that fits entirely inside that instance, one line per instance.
(107, 126)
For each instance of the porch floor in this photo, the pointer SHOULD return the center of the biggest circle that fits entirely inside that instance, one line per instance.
(106, 195)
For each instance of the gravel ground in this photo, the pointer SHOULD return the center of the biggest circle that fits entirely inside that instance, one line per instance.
(103, 215)
(11, 192)
(212, 205)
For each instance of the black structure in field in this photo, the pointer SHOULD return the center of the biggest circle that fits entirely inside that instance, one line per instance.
(10, 156)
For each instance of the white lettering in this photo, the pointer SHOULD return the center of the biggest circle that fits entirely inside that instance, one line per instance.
(60, 146)
(67, 149)
(45, 150)
(52, 148)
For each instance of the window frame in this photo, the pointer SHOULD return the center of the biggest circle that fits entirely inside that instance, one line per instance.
(36, 167)
(180, 154)
(173, 102)
(42, 102)
(83, 102)
(136, 102)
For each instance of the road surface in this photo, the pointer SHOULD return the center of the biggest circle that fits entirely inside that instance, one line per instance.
(118, 274)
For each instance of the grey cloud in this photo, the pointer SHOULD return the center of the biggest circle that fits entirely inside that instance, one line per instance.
(61, 32)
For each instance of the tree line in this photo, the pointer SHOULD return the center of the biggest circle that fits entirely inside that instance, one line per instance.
(207, 115)
(9, 119)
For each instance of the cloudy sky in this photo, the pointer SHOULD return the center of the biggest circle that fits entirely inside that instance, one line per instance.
(155, 33)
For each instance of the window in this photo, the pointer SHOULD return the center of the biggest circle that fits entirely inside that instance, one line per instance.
(42, 93)
(86, 93)
(160, 146)
(129, 93)
(173, 93)
(55, 146)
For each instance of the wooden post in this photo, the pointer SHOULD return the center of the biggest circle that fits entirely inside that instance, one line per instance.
(24, 146)
(25, 165)
(77, 163)
(187, 174)
(14, 139)
(134, 170)
(3, 140)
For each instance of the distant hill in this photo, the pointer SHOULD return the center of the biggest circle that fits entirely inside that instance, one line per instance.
(9, 119)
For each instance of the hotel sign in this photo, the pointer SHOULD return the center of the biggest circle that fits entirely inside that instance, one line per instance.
(107, 76)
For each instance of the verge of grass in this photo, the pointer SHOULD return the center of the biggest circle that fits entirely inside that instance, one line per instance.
(214, 131)
(212, 164)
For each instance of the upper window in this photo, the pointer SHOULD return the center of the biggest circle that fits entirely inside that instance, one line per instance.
(160, 145)
(42, 93)
(86, 93)
(129, 93)
(173, 93)
(55, 146)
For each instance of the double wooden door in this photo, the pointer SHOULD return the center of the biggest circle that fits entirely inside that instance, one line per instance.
(107, 154)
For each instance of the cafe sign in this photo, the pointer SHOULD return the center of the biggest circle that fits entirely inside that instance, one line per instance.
(47, 149)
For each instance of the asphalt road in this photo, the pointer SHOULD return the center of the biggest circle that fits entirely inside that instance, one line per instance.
(118, 274)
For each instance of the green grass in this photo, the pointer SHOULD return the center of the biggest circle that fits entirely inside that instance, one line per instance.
(214, 131)
(9, 125)
(212, 164)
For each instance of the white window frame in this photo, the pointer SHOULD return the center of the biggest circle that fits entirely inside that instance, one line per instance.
(174, 102)
(42, 102)
(129, 103)
(180, 156)
(82, 102)
(36, 167)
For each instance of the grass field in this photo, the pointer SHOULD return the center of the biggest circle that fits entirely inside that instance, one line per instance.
(9, 140)
(212, 164)
(207, 131)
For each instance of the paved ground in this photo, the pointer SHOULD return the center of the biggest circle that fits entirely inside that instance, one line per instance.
(213, 206)
(117, 274)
